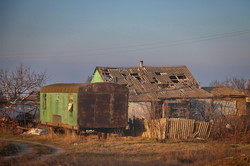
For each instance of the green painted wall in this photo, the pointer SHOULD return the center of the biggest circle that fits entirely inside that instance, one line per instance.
(97, 77)
(57, 104)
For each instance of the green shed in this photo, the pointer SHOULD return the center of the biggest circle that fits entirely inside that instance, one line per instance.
(96, 106)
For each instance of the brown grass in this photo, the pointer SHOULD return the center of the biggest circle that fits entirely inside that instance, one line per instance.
(81, 150)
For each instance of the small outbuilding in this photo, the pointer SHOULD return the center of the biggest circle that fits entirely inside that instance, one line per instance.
(95, 106)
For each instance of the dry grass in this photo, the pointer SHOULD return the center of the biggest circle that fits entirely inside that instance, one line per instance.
(143, 152)
(140, 151)
(81, 150)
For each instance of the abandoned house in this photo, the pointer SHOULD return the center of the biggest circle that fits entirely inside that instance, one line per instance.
(228, 101)
(156, 92)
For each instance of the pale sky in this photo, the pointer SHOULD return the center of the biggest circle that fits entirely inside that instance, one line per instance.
(68, 39)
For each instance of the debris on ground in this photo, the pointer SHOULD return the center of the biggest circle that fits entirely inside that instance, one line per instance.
(37, 131)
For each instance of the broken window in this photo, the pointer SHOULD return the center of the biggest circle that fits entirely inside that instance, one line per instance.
(106, 74)
(174, 79)
(70, 105)
(181, 77)
(225, 107)
(178, 78)
(107, 77)
(160, 74)
(156, 81)
(106, 70)
(162, 86)
(136, 75)
(44, 101)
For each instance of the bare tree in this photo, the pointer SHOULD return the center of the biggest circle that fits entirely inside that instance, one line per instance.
(19, 84)
(232, 82)
(21, 81)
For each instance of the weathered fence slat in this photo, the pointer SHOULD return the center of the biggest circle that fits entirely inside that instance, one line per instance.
(176, 128)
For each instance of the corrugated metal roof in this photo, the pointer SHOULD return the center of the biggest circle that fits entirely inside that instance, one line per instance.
(75, 88)
(63, 88)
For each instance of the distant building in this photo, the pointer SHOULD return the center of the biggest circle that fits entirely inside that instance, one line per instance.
(228, 101)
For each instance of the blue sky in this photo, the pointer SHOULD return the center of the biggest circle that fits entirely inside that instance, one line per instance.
(68, 39)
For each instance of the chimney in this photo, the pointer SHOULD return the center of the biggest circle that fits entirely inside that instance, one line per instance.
(141, 64)
(249, 84)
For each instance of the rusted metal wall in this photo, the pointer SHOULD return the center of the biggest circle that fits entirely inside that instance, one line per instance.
(103, 105)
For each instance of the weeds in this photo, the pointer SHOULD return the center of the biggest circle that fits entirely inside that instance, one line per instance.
(82, 150)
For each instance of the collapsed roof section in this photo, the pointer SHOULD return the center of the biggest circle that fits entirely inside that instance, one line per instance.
(154, 83)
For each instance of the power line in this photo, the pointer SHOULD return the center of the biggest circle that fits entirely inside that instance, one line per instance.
(150, 46)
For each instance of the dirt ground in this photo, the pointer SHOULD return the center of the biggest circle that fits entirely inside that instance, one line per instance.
(137, 151)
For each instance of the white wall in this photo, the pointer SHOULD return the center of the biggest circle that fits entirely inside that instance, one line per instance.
(140, 110)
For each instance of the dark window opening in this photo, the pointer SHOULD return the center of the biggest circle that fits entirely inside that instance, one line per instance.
(105, 70)
(156, 81)
(181, 77)
(158, 73)
(106, 74)
(178, 78)
(174, 79)
(136, 75)
(44, 102)
(165, 85)
(138, 78)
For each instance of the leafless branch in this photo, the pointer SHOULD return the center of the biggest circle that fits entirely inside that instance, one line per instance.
(232, 82)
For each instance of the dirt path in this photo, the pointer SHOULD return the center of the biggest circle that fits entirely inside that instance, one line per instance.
(29, 149)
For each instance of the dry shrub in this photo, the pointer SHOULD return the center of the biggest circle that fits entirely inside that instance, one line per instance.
(236, 129)
(63, 138)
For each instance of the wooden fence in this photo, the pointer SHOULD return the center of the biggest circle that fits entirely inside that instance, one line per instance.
(176, 128)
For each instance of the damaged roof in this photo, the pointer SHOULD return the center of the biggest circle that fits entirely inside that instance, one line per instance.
(147, 83)
(224, 92)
